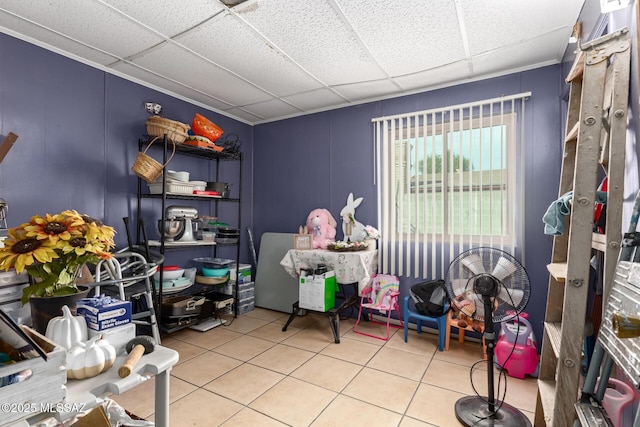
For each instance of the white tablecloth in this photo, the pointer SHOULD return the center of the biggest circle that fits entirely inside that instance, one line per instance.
(349, 267)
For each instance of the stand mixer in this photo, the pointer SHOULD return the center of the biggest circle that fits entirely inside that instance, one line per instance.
(186, 214)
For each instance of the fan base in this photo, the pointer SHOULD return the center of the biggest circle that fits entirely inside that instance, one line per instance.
(474, 411)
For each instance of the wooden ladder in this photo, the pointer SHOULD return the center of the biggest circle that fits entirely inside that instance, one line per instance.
(595, 135)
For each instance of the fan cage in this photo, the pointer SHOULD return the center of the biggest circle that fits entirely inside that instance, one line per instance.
(512, 291)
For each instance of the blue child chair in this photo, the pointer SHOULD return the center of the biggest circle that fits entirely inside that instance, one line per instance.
(443, 323)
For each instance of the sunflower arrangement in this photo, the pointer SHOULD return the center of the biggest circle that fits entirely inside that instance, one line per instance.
(53, 249)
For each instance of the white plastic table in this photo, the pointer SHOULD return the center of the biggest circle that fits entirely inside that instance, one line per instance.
(349, 267)
(89, 393)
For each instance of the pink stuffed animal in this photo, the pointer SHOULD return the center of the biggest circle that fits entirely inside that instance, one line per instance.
(322, 226)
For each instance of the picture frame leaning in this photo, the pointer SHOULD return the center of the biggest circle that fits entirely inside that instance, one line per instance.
(303, 241)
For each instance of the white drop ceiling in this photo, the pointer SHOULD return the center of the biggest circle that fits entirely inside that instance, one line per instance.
(266, 60)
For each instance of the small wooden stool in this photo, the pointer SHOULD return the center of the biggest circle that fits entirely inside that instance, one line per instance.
(453, 322)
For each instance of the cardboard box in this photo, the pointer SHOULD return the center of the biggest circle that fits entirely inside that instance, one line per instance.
(243, 275)
(246, 305)
(243, 288)
(317, 291)
(103, 313)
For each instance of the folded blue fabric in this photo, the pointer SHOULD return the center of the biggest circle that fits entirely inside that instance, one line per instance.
(554, 221)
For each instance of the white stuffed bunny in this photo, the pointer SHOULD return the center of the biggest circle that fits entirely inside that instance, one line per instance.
(352, 229)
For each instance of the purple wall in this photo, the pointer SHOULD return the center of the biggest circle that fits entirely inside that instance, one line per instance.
(78, 131)
(316, 160)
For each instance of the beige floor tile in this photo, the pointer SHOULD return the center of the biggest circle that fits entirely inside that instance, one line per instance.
(382, 389)
(179, 335)
(273, 332)
(411, 422)
(211, 338)
(312, 338)
(327, 372)
(355, 413)
(346, 325)
(204, 368)
(465, 354)
(185, 350)
(293, 402)
(250, 418)
(530, 415)
(424, 344)
(456, 377)
(140, 400)
(244, 376)
(282, 358)
(269, 315)
(202, 408)
(371, 329)
(244, 348)
(520, 392)
(303, 321)
(244, 323)
(245, 383)
(351, 351)
(434, 405)
(397, 362)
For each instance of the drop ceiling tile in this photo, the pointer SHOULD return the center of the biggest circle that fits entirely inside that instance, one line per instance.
(336, 56)
(520, 56)
(170, 86)
(172, 61)
(50, 40)
(236, 47)
(426, 80)
(170, 17)
(367, 90)
(315, 100)
(491, 25)
(89, 21)
(241, 114)
(272, 109)
(407, 36)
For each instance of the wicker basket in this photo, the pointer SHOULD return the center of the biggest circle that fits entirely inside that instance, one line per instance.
(182, 127)
(175, 134)
(146, 167)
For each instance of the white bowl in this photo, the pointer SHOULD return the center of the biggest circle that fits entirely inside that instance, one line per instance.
(169, 274)
(180, 176)
(198, 185)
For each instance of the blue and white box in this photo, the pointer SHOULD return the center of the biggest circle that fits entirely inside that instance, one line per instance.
(103, 313)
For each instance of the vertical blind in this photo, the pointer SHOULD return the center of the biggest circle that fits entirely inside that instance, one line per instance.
(449, 179)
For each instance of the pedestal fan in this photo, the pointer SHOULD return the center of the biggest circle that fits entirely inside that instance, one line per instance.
(488, 285)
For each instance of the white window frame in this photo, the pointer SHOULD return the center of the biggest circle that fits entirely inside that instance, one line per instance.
(509, 122)
(423, 252)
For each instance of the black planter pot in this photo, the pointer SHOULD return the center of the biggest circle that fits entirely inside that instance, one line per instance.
(44, 309)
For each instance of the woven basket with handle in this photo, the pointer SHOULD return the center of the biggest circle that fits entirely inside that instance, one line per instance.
(148, 168)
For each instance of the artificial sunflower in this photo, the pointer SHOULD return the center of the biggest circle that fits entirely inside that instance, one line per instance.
(51, 227)
(20, 251)
(53, 249)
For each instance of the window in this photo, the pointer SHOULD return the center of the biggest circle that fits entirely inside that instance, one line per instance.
(448, 178)
(455, 181)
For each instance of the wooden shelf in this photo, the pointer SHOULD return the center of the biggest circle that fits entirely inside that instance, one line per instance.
(577, 69)
(558, 270)
(553, 331)
(598, 76)
(546, 395)
(573, 133)
(599, 242)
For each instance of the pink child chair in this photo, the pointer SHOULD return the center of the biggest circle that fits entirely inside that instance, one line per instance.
(381, 296)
